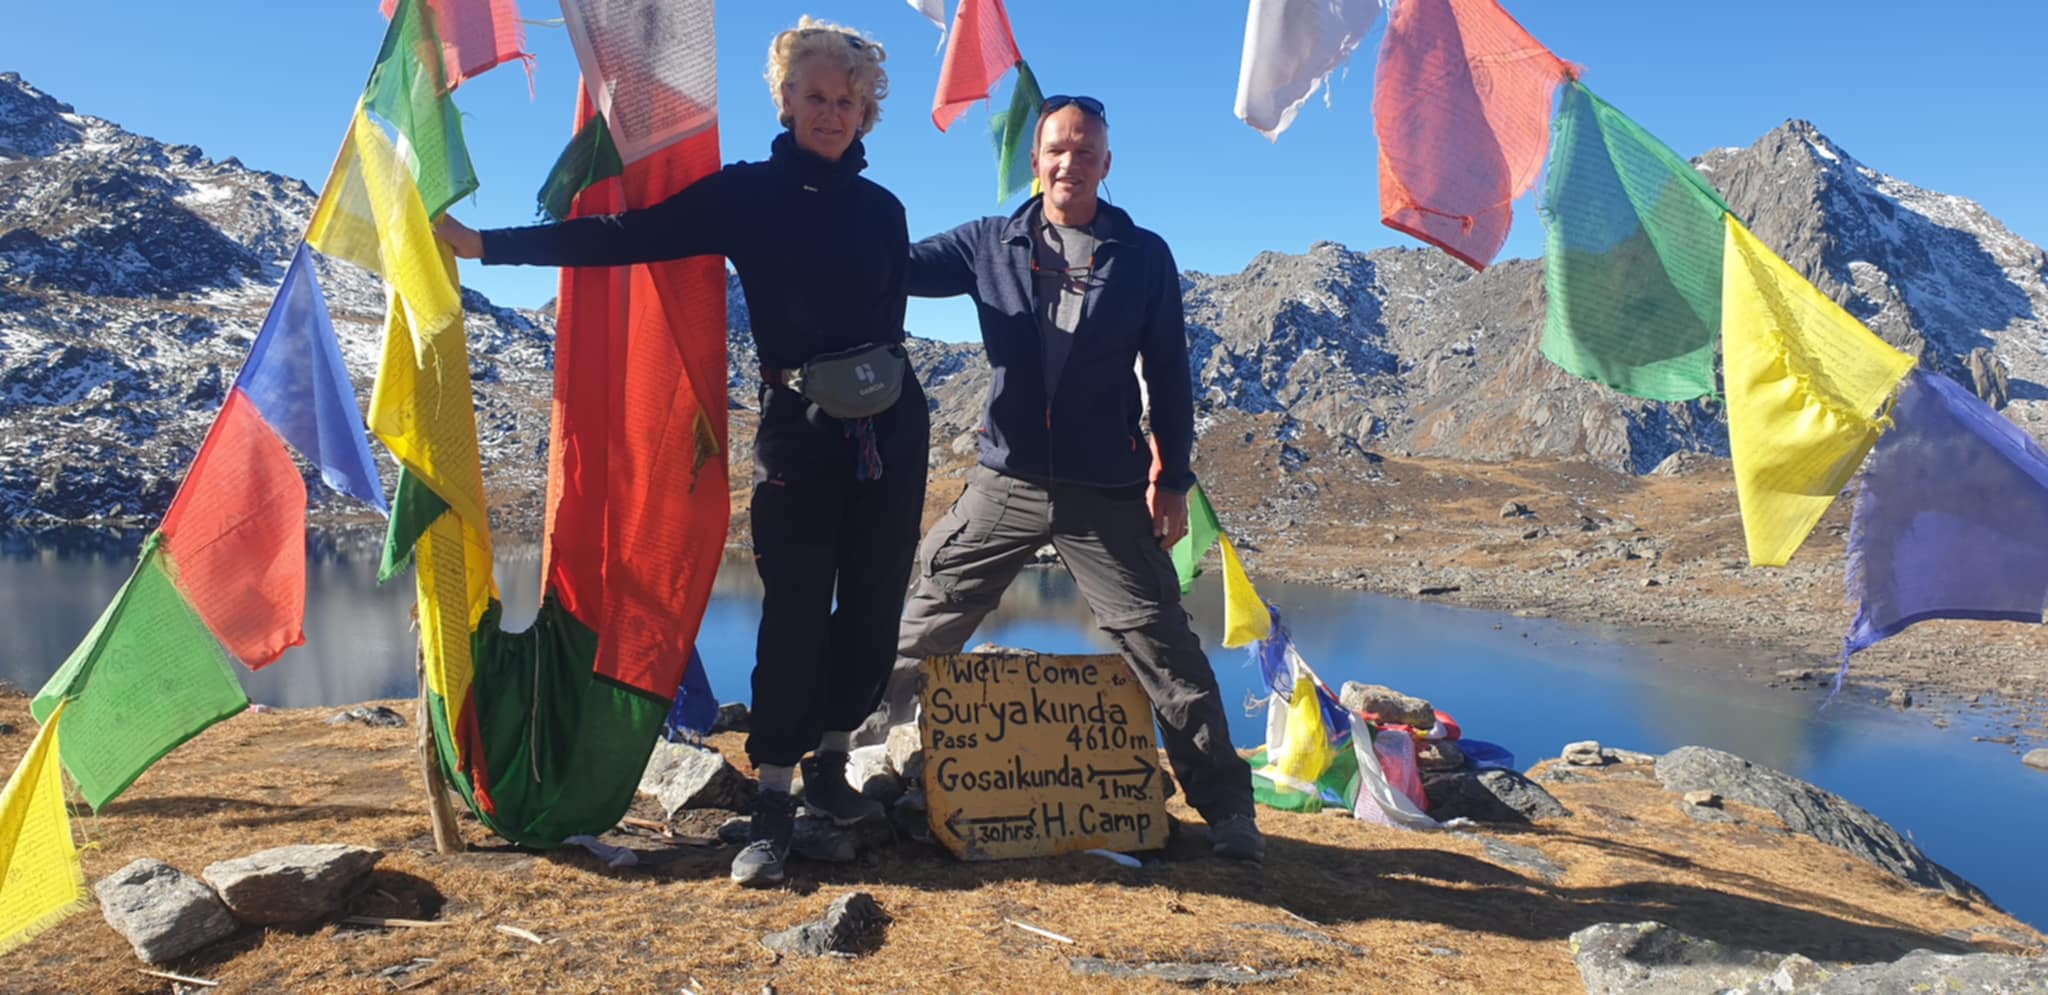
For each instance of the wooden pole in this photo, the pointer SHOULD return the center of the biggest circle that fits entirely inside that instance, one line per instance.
(447, 838)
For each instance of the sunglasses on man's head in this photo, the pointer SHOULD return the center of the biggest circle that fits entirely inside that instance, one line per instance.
(1088, 105)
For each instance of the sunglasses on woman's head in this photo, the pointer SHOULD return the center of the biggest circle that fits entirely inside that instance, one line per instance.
(850, 39)
(1088, 105)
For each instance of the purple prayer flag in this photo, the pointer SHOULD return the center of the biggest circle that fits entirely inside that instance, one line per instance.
(1951, 517)
(295, 376)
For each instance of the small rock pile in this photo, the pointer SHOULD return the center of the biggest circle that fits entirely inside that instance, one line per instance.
(165, 913)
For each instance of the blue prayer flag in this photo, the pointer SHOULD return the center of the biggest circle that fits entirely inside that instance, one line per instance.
(1951, 518)
(295, 376)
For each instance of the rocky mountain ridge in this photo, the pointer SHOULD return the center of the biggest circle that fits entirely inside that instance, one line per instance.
(134, 274)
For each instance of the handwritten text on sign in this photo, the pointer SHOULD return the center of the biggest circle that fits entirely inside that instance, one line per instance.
(1030, 756)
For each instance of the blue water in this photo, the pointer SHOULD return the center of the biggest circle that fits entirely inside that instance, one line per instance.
(1530, 685)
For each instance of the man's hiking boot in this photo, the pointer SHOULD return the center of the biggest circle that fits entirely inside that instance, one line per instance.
(759, 864)
(827, 793)
(1236, 837)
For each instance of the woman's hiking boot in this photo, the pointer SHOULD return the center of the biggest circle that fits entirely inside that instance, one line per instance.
(828, 794)
(1236, 837)
(759, 863)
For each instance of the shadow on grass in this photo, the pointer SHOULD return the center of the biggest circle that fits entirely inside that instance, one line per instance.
(1335, 885)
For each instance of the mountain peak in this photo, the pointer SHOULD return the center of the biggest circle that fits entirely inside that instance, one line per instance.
(34, 124)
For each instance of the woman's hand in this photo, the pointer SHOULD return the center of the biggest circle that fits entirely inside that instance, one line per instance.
(461, 238)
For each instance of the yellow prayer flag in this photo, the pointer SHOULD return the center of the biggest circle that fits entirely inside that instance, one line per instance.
(453, 577)
(1245, 619)
(41, 881)
(370, 214)
(1805, 382)
(1307, 753)
(423, 412)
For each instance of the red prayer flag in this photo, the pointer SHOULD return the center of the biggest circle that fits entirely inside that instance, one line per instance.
(475, 34)
(979, 51)
(637, 501)
(1461, 104)
(236, 537)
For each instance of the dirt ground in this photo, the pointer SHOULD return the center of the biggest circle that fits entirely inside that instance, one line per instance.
(1344, 905)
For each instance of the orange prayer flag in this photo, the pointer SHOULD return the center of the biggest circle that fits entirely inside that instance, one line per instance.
(980, 50)
(236, 534)
(1461, 105)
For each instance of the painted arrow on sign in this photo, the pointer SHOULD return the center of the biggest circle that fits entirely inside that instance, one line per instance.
(954, 822)
(1143, 772)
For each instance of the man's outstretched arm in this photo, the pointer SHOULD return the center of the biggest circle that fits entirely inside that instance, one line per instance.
(943, 265)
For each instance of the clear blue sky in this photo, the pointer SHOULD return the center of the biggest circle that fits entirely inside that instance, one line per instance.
(1949, 97)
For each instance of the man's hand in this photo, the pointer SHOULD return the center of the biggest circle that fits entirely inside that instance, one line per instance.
(461, 238)
(1169, 515)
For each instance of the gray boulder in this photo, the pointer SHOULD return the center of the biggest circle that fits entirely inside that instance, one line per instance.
(906, 752)
(853, 924)
(369, 715)
(2037, 759)
(163, 912)
(1650, 958)
(681, 776)
(1585, 753)
(1388, 704)
(732, 717)
(1489, 796)
(291, 884)
(1824, 815)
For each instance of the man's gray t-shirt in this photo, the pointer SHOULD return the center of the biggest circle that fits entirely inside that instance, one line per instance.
(1065, 268)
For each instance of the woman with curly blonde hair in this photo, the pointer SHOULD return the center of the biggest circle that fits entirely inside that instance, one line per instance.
(840, 453)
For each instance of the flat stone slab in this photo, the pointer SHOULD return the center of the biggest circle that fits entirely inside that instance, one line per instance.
(289, 885)
(163, 912)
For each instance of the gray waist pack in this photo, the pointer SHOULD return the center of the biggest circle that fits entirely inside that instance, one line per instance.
(853, 383)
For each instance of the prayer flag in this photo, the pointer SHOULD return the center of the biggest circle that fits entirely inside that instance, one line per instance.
(236, 537)
(148, 677)
(296, 379)
(1245, 617)
(475, 35)
(1203, 531)
(409, 89)
(1805, 381)
(1014, 130)
(1951, 517)
(41, 881)
(649, 67)
(933, 11)
(1461, 104)
(981, 49)
(1631, 258)
(1290, 48)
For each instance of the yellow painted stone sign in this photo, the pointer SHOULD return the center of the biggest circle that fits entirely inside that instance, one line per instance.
(1027, 755)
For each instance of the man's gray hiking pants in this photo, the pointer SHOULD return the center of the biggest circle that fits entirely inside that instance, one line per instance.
(1104, 536)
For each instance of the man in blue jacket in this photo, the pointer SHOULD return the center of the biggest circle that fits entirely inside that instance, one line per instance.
(1072, 295)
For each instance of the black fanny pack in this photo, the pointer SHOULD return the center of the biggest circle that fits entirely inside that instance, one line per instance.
(853, 383)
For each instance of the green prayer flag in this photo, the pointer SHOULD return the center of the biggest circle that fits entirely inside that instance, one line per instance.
(148, 677)
(409, 90)
(589, 158)
(1203, 531)
(413, 508)
(1631, 258)
(1012, 131)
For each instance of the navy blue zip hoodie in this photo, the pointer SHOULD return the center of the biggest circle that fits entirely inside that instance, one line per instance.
(1088, 433)
(819, 249)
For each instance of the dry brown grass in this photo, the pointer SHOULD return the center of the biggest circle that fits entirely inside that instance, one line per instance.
(1429, 910)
